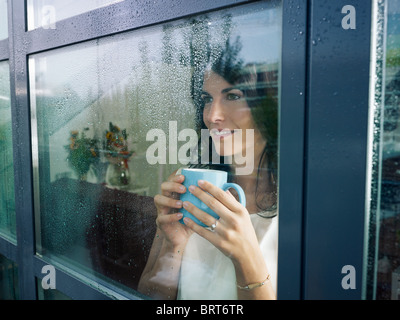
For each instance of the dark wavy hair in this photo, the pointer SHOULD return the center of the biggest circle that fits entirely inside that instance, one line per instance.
(259, 85)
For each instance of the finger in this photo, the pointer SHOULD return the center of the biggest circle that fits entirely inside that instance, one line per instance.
(229, 193)
(176, 178)
(162, 202)
(172, 188)
(168, 219)
(211, 202)
(201, 231)
(204, 217)
(228, 200)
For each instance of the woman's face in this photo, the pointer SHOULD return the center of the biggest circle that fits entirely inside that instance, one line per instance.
(228, 117)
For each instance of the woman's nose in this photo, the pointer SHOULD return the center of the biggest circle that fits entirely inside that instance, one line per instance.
(216, 112)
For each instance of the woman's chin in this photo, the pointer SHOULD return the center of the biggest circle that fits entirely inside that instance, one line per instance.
(220, 150)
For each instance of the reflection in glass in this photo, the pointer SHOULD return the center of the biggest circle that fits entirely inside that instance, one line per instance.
(7, 203)
(114, 117)
(3, 20)
(383, 256)
(46, 13)
(8, 279)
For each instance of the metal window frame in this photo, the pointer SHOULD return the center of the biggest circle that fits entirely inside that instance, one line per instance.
(336, 148)
(306, 267)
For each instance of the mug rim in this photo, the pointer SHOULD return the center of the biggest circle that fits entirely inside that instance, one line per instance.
(203, 170)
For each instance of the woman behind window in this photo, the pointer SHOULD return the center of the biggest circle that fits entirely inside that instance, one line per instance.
(237, 258)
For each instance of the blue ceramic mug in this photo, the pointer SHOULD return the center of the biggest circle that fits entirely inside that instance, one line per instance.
(217, 178)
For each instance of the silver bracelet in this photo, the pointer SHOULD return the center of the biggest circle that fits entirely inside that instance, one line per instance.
(252, 286)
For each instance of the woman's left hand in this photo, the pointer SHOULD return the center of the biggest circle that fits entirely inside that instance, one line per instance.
(234, 234)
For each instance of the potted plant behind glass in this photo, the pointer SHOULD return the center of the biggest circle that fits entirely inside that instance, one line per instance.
(115, 145)
(82, 153)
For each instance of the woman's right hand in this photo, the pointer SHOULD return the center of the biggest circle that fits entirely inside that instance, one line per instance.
(168, 204)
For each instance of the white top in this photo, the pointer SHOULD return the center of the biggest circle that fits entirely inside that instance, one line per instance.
(207, 274)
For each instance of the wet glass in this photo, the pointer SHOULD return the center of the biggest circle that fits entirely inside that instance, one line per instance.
(3, 20)
(382, 263)
(46, 13)
(8, 279)
(7, 202)
(113, 118)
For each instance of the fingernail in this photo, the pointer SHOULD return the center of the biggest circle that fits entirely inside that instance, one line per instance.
(185, 204)
(200, 182)
(186, 220)
(182, 188)
(191, 188)
(179, 203)
(179, 215)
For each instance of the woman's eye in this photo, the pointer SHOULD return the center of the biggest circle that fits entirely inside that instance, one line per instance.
(233, 96)
(206, 99)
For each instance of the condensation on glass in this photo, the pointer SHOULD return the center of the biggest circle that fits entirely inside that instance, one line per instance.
(8, 279)
(7, 202)
(46, 13)
(99, 108)
(382, 254)
(3, 20)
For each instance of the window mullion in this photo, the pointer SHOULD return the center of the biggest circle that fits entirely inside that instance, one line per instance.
(21, 150)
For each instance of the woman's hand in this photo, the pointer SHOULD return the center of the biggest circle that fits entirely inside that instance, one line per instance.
(160, 277)
(234, 234)
(167, 204)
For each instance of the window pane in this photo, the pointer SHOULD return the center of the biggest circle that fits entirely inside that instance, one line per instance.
(7, 203)
(115, 117)
(45, 13)
(383, 259)
(8, 279)
(3, 20)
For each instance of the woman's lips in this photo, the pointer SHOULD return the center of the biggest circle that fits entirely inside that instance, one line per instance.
(221, 133)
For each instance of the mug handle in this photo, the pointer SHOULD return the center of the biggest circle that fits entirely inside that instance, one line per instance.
(239, 190)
